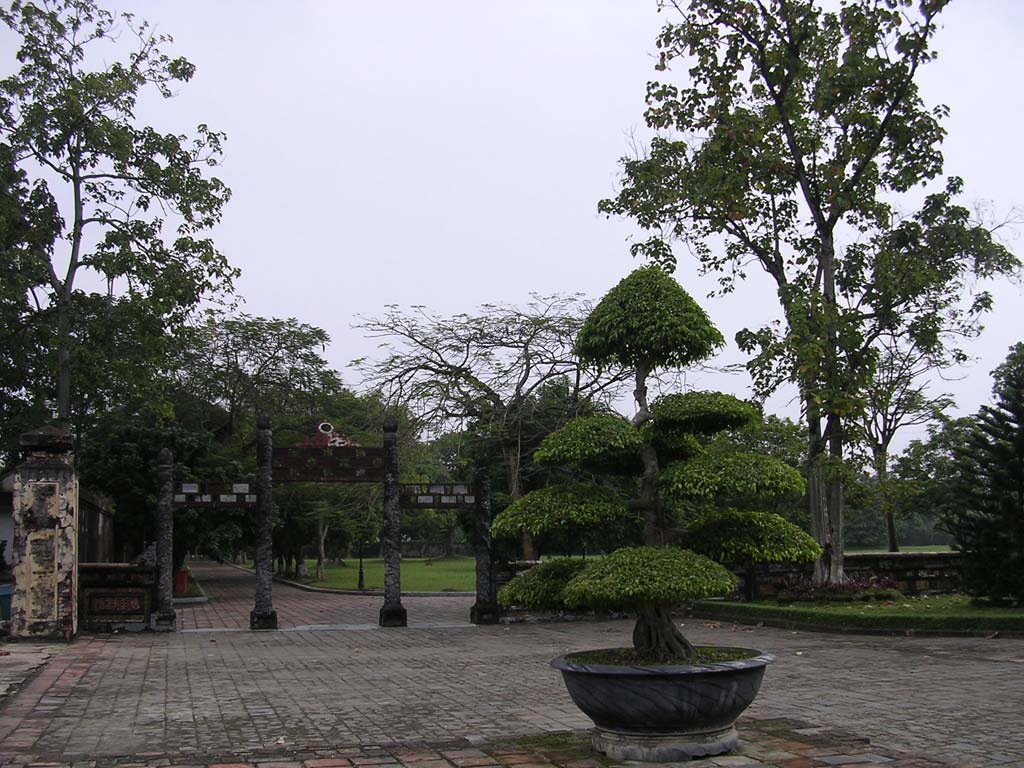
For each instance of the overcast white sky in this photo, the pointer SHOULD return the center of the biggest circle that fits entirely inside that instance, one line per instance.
(453, 152)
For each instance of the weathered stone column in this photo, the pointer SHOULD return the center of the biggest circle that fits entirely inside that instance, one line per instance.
(264, 616)
(392, 613)
(165, 618)
(485, 609)
(44, 556)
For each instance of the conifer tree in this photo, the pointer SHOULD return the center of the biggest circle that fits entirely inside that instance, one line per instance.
(988, 523)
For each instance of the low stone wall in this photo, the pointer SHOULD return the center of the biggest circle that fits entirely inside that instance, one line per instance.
(915, 573)
(115, 596)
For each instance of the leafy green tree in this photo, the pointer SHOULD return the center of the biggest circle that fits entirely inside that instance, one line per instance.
(242, 363)
(26, 225)
(988, 522)
(792, 133)
(647, 322)
(644, 323)
(119, 460)
(124, 203)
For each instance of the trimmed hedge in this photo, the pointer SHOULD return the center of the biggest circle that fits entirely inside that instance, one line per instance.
(647, 320)
(807, 617)
(747, 476)
(742, 538)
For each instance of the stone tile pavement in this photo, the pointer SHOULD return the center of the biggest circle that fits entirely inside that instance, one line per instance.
(19, 660)
(308, 690)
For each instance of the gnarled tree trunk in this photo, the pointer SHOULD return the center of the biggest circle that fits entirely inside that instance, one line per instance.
(656, 636)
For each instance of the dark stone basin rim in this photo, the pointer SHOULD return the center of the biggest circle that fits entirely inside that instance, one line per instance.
(759, 660)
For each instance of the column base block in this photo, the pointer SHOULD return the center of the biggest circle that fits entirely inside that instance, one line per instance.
(484, 612)
(164, 621)
(263, 620)
(393, 615)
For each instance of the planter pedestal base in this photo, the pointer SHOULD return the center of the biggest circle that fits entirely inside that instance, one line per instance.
(664, 748)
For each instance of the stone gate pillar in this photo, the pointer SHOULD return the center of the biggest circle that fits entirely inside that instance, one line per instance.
(44, 604)
(263, 615)
(165, 617)
(485, 609)
(392, 613)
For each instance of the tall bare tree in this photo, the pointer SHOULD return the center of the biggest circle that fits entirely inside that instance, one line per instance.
(484, 367)
(896, 398)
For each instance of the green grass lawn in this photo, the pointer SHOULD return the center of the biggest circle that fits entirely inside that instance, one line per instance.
(949, 613)
(883, 550)
(454, 574)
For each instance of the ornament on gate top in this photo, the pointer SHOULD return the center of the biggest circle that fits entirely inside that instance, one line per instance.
(326, 436)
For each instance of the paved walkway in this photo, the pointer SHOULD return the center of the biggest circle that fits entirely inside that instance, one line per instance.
(315, 690)
(232, 592)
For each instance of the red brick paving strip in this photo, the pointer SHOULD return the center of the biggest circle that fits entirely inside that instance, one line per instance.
(765, 744)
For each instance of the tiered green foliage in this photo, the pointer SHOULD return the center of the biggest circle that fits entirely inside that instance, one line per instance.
(701, 412)
(733, 476)
(648, 321)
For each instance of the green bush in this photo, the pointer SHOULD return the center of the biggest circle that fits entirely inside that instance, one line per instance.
(541, 588)
(632, 577)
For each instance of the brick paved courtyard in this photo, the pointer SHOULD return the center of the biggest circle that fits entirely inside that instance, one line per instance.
(216, 689)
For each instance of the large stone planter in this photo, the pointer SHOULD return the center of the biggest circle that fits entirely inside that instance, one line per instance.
(664, 714)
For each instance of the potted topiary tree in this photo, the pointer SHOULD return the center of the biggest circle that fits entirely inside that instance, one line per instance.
(663, 699)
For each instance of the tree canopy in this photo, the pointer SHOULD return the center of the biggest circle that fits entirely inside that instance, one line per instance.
(792, 131)
(123, 202)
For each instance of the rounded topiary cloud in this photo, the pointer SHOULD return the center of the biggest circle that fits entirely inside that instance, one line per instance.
(633, 577)
(743, 476)
(601, 443)
(559, 507)
(741, 538)
(647, 320)
(703, 412)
